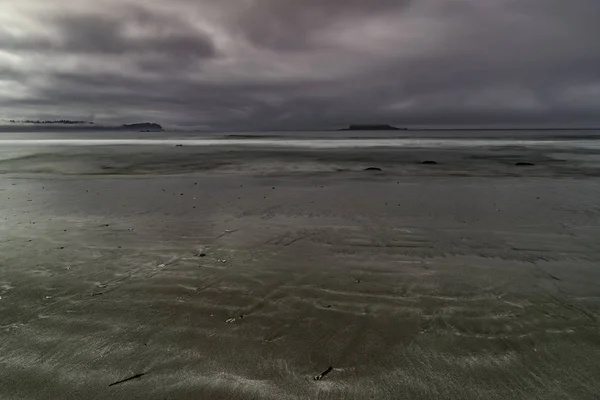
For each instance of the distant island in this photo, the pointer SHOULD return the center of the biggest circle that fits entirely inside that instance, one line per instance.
(372, 127)
(69, 125)
(50, 122)
(143, 127)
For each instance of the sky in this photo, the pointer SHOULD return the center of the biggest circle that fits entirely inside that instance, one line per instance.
(302, 64)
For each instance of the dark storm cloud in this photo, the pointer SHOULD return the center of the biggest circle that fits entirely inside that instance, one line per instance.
(101, 34)
(164, 40)
(294, 24)
(304, 63)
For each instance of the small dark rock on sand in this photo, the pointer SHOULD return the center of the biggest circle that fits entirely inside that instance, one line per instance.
(524, 164)
(373, 169)
(429, 162)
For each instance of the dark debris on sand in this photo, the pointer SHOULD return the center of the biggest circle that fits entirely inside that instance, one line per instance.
(323, 374)
(136, 376)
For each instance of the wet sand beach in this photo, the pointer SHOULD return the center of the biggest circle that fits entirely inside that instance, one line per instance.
(244, 272)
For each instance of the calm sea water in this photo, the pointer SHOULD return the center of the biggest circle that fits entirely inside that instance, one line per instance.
(586, 139)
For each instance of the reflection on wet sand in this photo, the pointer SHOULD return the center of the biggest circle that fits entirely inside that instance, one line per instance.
(246, 280)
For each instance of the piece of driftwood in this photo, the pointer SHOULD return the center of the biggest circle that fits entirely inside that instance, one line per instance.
(136, 376)
(323, 374)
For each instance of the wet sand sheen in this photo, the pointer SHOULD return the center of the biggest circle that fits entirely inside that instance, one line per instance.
(228, 285)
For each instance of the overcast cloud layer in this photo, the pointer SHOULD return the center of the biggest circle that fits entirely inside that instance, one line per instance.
(254, 64)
